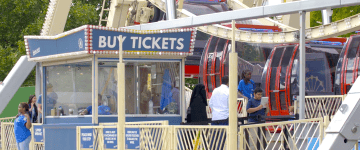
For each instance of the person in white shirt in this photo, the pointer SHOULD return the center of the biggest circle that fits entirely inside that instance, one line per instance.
(219, 103)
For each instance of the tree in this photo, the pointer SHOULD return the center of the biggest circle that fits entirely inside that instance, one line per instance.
(338, 14)
(19, 18)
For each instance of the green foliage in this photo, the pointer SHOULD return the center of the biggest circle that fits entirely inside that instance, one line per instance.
(19, 18)
(81, 13)
(315, 18)
(191, 82)
(338, 14)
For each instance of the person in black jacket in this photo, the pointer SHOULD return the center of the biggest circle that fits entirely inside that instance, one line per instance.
(198, 103)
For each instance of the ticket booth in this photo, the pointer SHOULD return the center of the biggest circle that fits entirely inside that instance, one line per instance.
(79, 77)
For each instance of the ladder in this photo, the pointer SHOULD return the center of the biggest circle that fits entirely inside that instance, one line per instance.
(102, 12)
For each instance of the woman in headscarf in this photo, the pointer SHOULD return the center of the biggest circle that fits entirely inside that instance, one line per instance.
(198, 103)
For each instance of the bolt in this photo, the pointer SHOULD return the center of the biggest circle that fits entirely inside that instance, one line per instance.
(354, 129)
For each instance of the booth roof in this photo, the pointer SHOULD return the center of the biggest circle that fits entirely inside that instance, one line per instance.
(91, 39)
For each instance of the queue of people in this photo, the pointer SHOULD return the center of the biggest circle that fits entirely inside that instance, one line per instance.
(219, 101)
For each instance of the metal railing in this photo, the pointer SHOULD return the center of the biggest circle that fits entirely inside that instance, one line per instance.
(162, 122)
(241, 109)
(320, 106)
(164, 137)
(200, 137)
(297, 134)
(8, 142)
(4, 120)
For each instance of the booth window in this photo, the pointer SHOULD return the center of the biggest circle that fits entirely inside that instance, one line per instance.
(68, 89)
(151, 87)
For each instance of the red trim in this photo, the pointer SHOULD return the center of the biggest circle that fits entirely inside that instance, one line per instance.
(223, 60)
(205, 66)
(192, 70)
(275, 28)
(356, 65)
(213, 82)
(277, 82)
(288, 76)
(342, 40)
(268, 76)
(343, 76)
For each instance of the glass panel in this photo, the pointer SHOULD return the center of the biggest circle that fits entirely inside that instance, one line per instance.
(287, 56)
(107, 89)
(351, 59)
(209, 84)
(273, 101)
(349, 70)
(273, 78)
(211, 50)
(217, 80)
(212, 45)
(282, 78)
(277, 56)
(155, 86)
(282, 101)
(150, 87)
(219, 51)
(69, 87)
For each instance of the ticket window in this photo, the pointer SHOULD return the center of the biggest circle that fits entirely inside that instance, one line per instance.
(69, 87)
(150, 87)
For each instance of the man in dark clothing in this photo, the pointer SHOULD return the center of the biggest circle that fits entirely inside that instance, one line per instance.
(254, 107)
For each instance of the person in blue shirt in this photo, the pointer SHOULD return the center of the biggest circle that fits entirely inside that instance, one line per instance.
(50, 101)
(102, 109)
(22, 124)
(246, 85)
(254, 107)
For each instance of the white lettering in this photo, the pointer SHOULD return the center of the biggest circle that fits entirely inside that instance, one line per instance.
(144, 42)
(134, 41)
(109, 42)
(165, 43)
(181, 45)
(102, 41)
(172, 42)
(36, 51)
(155, 43)
(139, 45)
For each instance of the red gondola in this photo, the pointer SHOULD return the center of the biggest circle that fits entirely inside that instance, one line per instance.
(275, 70)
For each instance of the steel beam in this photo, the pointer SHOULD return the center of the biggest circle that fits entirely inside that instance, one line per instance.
(302, 66)
(245, 14)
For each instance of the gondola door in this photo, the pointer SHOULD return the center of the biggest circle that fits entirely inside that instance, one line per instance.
(278, 79)
(348, 74)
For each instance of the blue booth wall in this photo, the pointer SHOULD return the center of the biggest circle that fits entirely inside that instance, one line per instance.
(60, 132)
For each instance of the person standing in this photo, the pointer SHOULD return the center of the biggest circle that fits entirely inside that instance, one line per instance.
(22, 124)
(246, 85)
(33, 108)
(198, 103)
(39, 108)
(219, 104)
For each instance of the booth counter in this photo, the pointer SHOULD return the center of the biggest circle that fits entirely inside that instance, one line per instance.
(79, 77)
